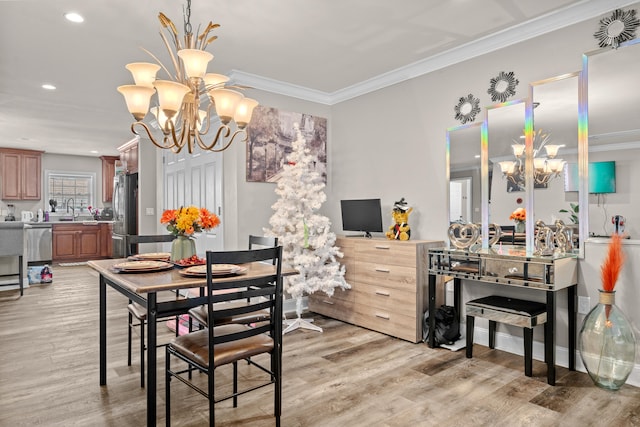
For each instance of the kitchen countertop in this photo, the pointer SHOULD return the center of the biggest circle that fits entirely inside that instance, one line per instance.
(11, 224)
(81, 222)
(19, 224)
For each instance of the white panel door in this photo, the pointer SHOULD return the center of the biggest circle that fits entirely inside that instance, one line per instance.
(196, 180)
(209, 172)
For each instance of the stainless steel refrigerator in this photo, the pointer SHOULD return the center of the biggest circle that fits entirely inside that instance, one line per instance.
(125, 211)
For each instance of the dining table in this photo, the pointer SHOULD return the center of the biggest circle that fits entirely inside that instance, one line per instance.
(143, 288)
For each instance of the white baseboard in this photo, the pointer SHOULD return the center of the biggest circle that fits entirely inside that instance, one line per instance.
(515, 345)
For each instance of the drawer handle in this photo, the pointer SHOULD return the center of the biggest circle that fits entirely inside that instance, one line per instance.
(383, 247)
(327, 302)
(383, 316)
(382, 270)
(383, 293)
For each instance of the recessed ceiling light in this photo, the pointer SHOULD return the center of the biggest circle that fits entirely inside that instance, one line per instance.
(93, 152)
(48, 86)
(74, 17)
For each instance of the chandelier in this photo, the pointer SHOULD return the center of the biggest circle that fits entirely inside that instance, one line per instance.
(544, 167)
(179, 112)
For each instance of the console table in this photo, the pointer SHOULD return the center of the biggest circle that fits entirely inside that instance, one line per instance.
(511, 266)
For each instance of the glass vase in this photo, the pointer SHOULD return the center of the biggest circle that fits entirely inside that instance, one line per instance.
(607, 344)
(520, 227)
(182, 247)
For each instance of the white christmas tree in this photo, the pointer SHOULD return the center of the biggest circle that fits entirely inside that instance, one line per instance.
(305, 236)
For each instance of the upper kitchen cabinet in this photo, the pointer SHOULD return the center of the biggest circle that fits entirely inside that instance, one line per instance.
(108, 173)
(21, 174)
(129, 156)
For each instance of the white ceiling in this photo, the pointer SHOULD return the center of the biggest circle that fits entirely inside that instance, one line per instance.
(324, 51)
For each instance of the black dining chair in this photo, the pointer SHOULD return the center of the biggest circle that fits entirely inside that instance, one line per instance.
(136, 311)
(225, 344)
(199, 314)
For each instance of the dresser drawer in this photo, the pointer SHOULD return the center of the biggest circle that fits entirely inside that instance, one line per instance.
(388, 322)
(390, 299)
(339, 306)
(392, 276)
(387, 252)
(339, 294)
(349, 267)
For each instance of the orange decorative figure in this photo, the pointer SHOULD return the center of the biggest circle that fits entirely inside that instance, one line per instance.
(400, 230)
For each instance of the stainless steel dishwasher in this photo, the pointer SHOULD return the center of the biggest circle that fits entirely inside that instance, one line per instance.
(39, 242)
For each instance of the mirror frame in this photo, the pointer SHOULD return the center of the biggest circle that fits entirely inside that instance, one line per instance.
(581, 150)
(448, 160)
(583, 134)
(484, 153)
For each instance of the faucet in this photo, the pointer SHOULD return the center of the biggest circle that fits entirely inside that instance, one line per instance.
(73, 208)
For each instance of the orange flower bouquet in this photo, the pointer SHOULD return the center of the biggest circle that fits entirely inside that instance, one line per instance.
(188, 220)
(519, 215)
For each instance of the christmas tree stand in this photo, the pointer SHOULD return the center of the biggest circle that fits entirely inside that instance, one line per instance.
(300, 323)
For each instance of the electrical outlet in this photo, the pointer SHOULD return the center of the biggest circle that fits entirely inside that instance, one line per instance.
(149, 211)
(584, 305)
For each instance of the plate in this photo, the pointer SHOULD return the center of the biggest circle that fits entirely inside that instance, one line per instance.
(153, 256)
(142, 266)
(178, 265)
(216, 270)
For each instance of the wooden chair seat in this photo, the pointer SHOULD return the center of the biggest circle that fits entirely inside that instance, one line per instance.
(195, 346)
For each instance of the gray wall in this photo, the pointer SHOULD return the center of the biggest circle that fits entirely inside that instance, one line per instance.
(247, 205)
(391, 143)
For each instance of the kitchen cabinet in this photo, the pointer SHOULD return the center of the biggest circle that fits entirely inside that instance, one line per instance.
(129, 156)
(108, 172)
(21, 174)
(81, 241)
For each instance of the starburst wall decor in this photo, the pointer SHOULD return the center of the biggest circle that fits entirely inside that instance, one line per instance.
(617, 28)
(502, 86)
(467, 108)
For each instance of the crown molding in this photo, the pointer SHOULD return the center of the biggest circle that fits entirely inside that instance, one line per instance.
(570, 15)
(276, 86)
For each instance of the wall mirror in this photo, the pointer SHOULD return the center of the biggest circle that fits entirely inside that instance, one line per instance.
(614, 139)
(463, 148)
(504, 180)
(555, 103)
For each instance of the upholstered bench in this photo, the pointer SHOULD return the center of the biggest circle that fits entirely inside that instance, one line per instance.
(511, 311)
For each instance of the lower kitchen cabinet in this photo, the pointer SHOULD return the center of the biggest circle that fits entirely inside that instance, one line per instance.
(81, 242)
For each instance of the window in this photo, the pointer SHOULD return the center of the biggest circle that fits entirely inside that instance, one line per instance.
(70, 189)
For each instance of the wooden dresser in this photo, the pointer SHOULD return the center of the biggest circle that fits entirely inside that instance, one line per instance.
(389, 282)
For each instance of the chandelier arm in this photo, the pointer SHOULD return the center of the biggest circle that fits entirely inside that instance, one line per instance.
(541, 178)
(178, 140)
(205, 146)
(236, 133)
(184, 136)
(150, 135)
(207, 120)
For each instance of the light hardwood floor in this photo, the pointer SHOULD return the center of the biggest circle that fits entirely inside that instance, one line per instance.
(345, 376)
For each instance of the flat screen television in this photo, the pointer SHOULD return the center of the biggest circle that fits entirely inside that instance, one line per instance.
(363, 215)
(602, 177)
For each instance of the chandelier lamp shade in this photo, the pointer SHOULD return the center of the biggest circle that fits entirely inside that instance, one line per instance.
(188, 102)
(545, 167)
